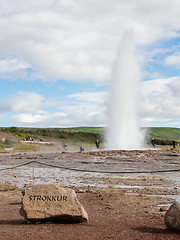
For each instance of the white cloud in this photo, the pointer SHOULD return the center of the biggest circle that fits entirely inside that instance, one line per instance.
(15, 69)
(32, 109)
(11, 65)
(160, 106)
(28, 103)
(161, 100)
(173, 60)
(19, 6)
(77, 40)
(22, 102)
(77, 115)
(96, 97)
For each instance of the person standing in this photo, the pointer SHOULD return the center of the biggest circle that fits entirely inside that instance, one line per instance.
(97, 143)
(174, 143)
(153, 142)
(81, 149)
(65, 147)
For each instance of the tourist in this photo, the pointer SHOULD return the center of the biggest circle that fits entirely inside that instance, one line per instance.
(174, 144)
(153, 142)
(65, 147)
(97, 143)
(81, 149)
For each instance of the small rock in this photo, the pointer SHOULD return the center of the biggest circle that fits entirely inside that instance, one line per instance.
(172, 217)
(108, 206)
(81, 191)
(163, 209)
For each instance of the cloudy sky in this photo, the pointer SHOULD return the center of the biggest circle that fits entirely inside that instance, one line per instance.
(57, 56)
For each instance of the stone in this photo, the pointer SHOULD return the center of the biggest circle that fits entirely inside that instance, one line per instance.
(172, 217)
(52, 203)
(163, 209)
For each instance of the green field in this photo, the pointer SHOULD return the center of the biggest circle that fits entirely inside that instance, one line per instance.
(89, 135)
(166, 133)
(96, 130)
(162, 135)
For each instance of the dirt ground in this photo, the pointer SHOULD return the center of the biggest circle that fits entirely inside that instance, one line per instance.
(120, 204)
(112, 215)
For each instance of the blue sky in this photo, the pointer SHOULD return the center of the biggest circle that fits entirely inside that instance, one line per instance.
(57, 58)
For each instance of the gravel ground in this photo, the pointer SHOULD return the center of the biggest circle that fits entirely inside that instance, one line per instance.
(120, 205)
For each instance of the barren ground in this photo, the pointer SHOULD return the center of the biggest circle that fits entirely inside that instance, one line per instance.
(120, 204)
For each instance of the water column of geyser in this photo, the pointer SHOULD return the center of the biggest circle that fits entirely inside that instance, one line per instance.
(123, 125)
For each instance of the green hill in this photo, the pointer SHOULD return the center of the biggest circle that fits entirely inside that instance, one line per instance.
(162, 135)
(166, 133)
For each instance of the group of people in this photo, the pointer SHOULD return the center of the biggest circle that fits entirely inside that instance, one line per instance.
(97, 146)
(81, 147)
(28, 139)
(153, 143)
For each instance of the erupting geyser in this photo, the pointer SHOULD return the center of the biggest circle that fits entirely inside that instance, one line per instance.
(123, 126)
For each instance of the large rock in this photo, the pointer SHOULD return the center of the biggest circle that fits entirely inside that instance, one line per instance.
(172, 217)
(50, 202)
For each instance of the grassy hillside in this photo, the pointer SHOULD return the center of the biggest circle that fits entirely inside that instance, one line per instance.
(162, 135)
(96, 130)
(166, 133)
(89, 135)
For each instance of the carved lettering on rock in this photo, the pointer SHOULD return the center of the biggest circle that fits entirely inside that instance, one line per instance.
(48, 198)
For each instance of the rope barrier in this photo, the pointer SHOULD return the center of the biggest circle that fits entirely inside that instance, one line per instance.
(91, 171)
(16, 166)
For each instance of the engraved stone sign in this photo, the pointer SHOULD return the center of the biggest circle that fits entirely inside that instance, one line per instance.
(50, 202)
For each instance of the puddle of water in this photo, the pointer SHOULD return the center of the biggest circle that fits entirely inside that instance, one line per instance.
(164, 205)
